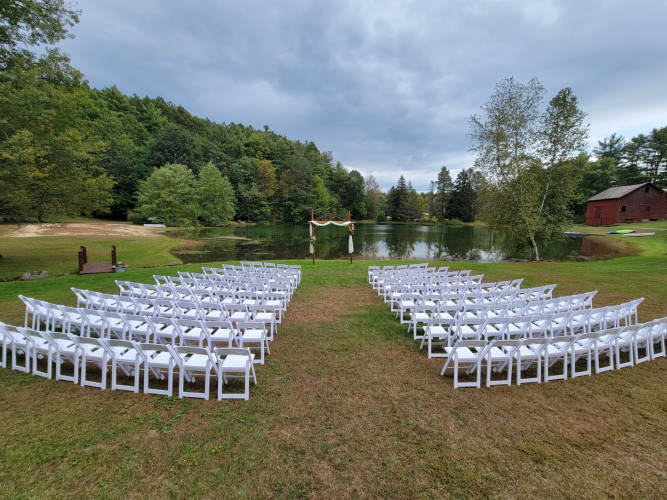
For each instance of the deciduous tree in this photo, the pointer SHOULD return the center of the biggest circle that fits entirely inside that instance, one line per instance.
(168, 195)
(215, 198)
(527, 154)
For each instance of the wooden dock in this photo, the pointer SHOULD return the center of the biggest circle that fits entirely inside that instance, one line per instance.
(86, 267)
(96, 267)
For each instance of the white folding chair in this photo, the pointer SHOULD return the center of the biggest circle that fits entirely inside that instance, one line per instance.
(529, 352)
(624, 341)
(139, 329)
(74, 320)
(253, 334)
(193, 362)
(556, 350)
(124, 356)
(235, 363)
(40, 348)
(163, 329)
(438, 333)
(190, 330)
(66, 350)
(470, 354)
(267, 315)
(117, 327)
(95, 351)
(590, 346)
(500, 356)
(35, 312)
(219, 332)
(6, 340)
(160, 360)
(657, 333)
(21, 344)
(643, 341)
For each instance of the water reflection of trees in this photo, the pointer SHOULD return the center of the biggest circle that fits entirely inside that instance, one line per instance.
(370, 241)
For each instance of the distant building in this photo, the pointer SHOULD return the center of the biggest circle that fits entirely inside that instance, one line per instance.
(637, 203)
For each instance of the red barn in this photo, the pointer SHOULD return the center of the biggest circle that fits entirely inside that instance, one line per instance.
(635, 203)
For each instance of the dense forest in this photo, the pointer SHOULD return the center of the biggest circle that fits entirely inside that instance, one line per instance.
(68, 149)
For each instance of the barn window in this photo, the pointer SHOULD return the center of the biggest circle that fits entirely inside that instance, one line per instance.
(623, 208)
(646, 189)
(647, 209)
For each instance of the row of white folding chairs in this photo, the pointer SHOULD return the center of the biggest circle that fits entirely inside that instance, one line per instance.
(407, 305)
(454, 285)
(445, 331)
(206, 299)
(385, 286)
(481, 292)
(425, 277)
(641, 342)
(414, 268)
(271, 305)
(218, 293)
(233, 270)
(263, 285)
(217, 281)
(388, 275)
(464, 305)
(163, 326)
(129, 359)
(260, 266)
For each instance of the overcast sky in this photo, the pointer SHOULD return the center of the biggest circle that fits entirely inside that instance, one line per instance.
(387, 86)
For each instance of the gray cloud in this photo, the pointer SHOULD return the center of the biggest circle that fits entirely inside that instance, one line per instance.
(387, 86)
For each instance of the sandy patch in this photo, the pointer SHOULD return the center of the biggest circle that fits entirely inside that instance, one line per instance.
(86, 229)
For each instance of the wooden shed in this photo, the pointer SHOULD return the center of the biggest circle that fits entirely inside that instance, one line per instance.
(624, 204)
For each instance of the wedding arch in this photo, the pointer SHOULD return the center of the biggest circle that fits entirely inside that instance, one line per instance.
(336, 220)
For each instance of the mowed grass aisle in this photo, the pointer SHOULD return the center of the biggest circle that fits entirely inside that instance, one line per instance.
(348, 407)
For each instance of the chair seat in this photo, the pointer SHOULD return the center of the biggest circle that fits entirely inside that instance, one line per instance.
(235, 362)
(197, 362)
(464, 354)
(251, 334)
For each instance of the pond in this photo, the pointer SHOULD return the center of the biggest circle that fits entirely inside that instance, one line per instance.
(373, 241)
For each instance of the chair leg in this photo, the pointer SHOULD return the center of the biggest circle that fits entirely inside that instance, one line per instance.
(610, 356)
(659, 342)
(630, 361)
(38, 372)
(25, 367)
(76, 362)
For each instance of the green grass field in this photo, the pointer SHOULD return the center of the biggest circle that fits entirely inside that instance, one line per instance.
(347, 406)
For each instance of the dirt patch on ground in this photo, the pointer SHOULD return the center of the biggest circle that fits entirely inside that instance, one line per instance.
(85, 229)
(330, 305)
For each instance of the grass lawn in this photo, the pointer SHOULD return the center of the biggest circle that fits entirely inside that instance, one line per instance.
(347, 406)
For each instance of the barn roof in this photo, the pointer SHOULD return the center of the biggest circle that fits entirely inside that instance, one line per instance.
(616, 192)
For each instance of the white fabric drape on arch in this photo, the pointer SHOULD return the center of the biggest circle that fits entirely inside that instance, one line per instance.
(350, 243)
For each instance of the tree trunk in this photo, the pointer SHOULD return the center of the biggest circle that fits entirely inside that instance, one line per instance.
(533, 248)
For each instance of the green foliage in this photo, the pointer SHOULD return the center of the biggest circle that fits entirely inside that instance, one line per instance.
(168, 195)
(252, 204)
(322, 196)
(463, 201)
(32, 22)
(215, 197)
(562, 133)
(372, 197)
(404, 203)
(47, 144)
(442, 195)
(527, 155)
